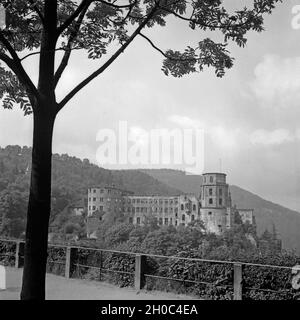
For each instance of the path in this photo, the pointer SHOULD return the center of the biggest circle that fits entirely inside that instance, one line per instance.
(60, 288)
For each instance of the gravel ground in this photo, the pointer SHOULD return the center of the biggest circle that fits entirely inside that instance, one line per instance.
(60, 288)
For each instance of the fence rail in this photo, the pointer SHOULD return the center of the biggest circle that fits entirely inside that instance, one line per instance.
(73, 261)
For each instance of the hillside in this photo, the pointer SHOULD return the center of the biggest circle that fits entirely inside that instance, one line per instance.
(72, 176)
(286, 221)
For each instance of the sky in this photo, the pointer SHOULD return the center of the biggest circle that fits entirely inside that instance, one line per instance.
(250, 117)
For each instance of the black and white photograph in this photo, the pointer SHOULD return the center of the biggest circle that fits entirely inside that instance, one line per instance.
(149, 151)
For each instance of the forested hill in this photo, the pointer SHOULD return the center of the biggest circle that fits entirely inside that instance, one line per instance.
(72, 177)
(286, 221)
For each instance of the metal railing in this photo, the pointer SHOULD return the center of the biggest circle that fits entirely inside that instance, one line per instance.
(94, 263)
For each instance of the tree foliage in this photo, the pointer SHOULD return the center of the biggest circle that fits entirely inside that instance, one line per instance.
(99, 26)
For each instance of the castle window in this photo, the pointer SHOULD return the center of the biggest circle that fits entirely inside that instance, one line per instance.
(138, 220)
(166, 210)
(176, 215)
(193, 217)
(211, 179)
(210, 201)
(182, 207)
(210, 191)
(101, 199)
(183, 217)
(130, 220)
(220, 191)
(94, 199)
(160, 221)
(170, 220)
(209, 213)
(94, 207)
(194, 207)
(94, 190)
(166, 221)
(220, 201)
(176, 223)
(101, 208)
(101, 190)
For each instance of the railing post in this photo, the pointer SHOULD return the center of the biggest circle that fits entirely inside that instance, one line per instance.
(70, 253)
(237, 281)
(140, 261)
(19, 256)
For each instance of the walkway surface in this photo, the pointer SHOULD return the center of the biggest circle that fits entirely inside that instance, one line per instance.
(60, 288)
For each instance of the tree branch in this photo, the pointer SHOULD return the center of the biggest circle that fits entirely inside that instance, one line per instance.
(38, 52)
(36, 9)
(153, 45)
(73, 16)
(160, 51)
(15, 64)
(130, 5)
(67, 54)
(215, 26)
(81, 85)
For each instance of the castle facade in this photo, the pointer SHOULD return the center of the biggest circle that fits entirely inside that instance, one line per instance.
(213, 206)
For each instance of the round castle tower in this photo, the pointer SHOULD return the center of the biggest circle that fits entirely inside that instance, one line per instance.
(215, 202)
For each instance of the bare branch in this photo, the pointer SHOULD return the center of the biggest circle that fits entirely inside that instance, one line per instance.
(82, 84)
(153, 45)
(38, 52)
(160, 51)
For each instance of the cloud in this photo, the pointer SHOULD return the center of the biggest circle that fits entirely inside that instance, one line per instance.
(277, 81)
(186, 122)
(224, 138)
(275, 137)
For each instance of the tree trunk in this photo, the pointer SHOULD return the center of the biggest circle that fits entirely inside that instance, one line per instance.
(34, 273)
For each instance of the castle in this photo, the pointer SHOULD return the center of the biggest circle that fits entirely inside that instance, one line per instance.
(213, 206)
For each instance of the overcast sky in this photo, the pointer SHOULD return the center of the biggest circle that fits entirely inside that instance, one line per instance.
(251, 117)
